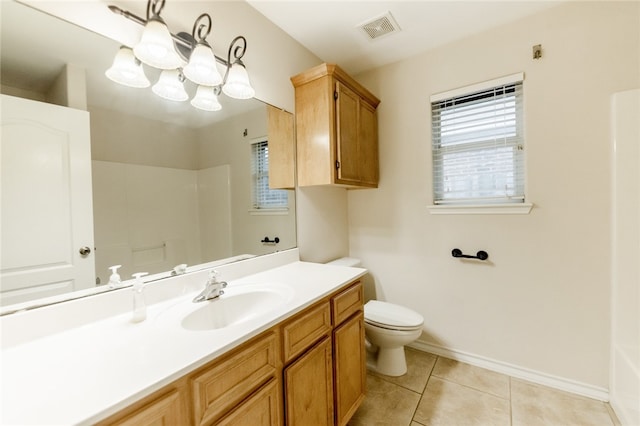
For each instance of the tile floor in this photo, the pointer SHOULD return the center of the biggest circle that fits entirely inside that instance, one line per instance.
(437, 391)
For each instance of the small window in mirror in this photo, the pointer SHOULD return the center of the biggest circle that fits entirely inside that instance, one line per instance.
(264, 198)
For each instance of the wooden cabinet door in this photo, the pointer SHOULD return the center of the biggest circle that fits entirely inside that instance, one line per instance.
(350, 369)
(309, 388)
(347, 150)
(357, 139)
(368, 144)
(282, 149)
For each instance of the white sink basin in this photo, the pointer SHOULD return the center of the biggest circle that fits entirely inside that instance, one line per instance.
(236, 306)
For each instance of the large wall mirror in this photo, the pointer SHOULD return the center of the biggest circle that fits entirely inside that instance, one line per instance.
(171, 184)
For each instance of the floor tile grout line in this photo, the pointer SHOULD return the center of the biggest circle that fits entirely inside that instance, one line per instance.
(424, 389)
(385, 378)
(510, 404)
(472, 388)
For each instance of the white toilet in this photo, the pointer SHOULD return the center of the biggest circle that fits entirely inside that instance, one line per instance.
(388, 328)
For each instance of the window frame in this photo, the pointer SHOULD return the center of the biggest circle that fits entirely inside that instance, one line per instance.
(518, 204)
(258, 208)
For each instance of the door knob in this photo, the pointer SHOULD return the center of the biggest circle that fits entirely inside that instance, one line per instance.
(84, 251)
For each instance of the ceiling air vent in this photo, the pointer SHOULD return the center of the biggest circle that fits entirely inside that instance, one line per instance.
(380, 26)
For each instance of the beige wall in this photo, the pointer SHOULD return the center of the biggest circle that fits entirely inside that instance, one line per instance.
(323, 227)
(541, 302)
(123, 138)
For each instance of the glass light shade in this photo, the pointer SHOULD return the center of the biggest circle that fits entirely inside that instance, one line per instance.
(169, 86)
(156, 46)
(202, 68)
(237, 85)
(206, 99)
(126, 70)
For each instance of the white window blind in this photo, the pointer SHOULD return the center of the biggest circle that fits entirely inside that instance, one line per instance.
(263, 196)
(478, 145)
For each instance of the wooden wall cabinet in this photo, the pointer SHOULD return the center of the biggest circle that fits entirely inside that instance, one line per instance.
(336, 129)
(282, 148)
(307, 370)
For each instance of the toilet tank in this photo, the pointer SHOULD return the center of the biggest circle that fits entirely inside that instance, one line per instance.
(345, 261)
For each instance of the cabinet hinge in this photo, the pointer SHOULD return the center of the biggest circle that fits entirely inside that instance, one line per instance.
(335, 95)
(337, 164)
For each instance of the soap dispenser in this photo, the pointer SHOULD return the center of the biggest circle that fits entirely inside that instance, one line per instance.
(114, 279)
(139, 305)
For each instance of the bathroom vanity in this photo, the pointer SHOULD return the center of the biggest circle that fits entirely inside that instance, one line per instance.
(294, 355)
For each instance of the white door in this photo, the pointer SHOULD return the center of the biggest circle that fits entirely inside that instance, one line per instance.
(46, 205)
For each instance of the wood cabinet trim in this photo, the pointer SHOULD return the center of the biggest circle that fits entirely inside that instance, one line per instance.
(334, 71)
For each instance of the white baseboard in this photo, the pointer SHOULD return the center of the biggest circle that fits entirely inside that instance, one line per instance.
(518, 372)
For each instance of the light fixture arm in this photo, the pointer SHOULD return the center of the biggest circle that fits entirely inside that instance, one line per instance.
(238, 53)
(201, 30)
(154, 7)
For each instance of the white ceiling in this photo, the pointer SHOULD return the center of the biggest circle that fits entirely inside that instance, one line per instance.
(329, 28)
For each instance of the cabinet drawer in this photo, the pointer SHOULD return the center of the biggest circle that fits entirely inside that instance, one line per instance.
(166, 409)
(261, 409)
(306, 329)
(229, 381)
(346, 303)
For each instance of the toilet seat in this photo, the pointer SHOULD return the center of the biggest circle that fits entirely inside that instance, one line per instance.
(390, 316)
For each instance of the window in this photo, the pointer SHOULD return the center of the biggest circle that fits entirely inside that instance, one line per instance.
(263, 196)
(478, 144)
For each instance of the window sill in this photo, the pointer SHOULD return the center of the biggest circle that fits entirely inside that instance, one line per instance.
(269, 212)
(520, 208)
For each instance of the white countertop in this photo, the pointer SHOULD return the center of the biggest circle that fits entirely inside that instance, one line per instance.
(86, 373)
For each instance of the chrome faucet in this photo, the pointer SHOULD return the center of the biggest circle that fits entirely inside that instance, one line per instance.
(212, 289)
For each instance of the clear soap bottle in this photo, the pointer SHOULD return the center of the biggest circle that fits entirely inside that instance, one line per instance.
(139, 305)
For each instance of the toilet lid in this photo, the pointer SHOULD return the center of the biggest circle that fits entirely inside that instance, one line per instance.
(388, 314)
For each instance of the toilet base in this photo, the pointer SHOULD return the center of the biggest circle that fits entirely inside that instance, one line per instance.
(389, 361)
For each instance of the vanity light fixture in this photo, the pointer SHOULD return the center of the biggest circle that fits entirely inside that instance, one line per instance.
(182, 56)
(127, 69)
(236, 79)
(206, 99)
(155, 47)
(202, 68)
(170, 86)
